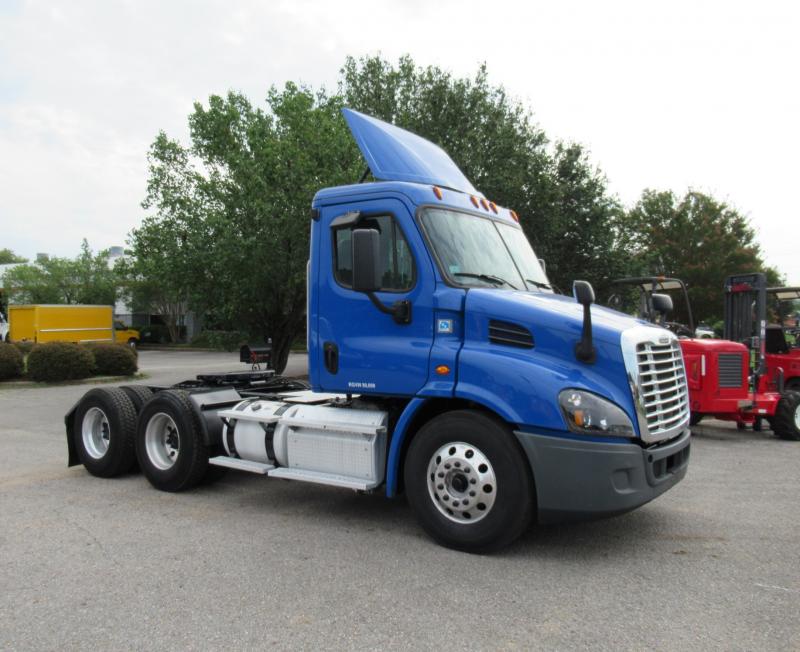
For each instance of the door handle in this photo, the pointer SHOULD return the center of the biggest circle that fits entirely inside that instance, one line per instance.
(331, 355)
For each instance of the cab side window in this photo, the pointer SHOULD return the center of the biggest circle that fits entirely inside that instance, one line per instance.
(397, 263)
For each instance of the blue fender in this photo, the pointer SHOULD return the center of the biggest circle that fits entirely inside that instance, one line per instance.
(396, 446)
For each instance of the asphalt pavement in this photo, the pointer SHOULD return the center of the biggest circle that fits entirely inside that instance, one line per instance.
(250, 562)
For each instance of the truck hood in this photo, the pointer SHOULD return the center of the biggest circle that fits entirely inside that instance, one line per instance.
(544, 313)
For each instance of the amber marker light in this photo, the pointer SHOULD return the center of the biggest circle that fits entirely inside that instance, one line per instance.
(474, 200)
(442, 370)
(485, 204)
(514, 216)
(493, 206)
(437, 191)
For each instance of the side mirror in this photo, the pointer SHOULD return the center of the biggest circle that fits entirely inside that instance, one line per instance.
(366, 254)
(367, 274)
(662, 303)
(584, 295)
(583, 292)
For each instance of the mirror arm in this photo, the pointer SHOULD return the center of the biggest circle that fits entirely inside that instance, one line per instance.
(584, 350)
(399, 310)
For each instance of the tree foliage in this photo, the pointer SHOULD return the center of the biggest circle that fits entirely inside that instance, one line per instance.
(7, 256)
(228, 229)
(695, 238)
(84, 279)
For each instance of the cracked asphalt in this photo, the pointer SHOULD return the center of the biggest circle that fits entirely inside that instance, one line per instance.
(249, 562)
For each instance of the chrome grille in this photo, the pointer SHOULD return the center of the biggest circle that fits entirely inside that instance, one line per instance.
(663, 391)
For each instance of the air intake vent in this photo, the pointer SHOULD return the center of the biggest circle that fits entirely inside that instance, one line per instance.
(501, 332)
(730, 369)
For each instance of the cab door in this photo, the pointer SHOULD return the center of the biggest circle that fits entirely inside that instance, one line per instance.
(363, 350)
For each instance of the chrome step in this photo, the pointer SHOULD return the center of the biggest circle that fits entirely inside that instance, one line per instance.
(317, 477)
(241, 465)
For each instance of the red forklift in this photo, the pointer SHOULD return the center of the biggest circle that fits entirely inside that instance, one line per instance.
(729, 379)
(782, 342)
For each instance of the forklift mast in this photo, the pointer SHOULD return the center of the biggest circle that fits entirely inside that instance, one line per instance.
(746, 315)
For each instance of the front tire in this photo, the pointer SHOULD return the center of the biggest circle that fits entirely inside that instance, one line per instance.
(169, 442)
(468, 482)
(104, 432)
(786, 422)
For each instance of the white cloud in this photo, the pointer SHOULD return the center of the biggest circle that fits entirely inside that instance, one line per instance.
(665, 95)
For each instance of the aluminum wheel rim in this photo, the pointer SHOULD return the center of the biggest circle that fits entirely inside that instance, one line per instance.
(797, 417)
(162, 441)
(96, 433)
(462, 483)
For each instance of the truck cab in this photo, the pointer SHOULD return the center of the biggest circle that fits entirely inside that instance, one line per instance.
(442, 365)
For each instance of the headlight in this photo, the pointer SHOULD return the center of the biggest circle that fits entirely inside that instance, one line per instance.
(588, 414)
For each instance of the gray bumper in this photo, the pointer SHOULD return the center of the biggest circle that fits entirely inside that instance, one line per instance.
(577, 480)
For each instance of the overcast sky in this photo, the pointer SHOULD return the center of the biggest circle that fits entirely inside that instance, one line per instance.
(667, 95)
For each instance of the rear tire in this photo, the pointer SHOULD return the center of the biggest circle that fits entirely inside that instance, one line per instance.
(139, 395)
(169, 442)
(468, 482)
(786, 422)
(104, 432)
(696, 418)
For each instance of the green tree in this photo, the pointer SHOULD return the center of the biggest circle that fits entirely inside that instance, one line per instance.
(84, 279)
(696, 238)
(227, 231)
(8, 256)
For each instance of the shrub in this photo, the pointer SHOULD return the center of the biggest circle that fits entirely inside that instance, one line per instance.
(25, 347)
(60, 361)
(113, 359)
(221, 340)
(11, 361)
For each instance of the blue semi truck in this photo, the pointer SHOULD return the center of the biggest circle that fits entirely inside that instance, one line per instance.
(441, 365)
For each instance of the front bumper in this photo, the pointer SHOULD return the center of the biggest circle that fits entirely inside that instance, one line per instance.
(578, 480)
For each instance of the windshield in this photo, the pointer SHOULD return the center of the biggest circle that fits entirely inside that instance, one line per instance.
(481, 252)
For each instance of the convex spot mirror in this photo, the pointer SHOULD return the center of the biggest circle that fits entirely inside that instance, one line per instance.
(662, 303)
(366, 254)
(583, 292)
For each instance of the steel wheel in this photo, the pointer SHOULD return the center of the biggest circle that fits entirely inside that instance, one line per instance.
(162, 441)
(96, 433)
(451, 474)
(462, 482)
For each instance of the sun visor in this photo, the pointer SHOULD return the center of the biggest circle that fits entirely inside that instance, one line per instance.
(394, 154)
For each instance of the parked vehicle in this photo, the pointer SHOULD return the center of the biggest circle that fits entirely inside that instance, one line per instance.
(782, 342)
(726, 380)
(67, 323)
(3, 328)
(704, 332)
(649, 306)
(441, 365)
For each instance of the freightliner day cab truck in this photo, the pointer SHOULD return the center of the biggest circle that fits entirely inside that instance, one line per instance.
(441, 365)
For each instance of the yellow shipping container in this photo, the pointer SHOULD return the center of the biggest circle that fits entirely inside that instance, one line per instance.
(66, 323)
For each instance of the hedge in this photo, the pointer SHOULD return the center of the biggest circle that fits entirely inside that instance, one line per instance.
(113, 359)
(56, 361)
(11, 361)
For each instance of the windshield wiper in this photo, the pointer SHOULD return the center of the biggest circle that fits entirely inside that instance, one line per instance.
(487, 277)
(539, 284)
